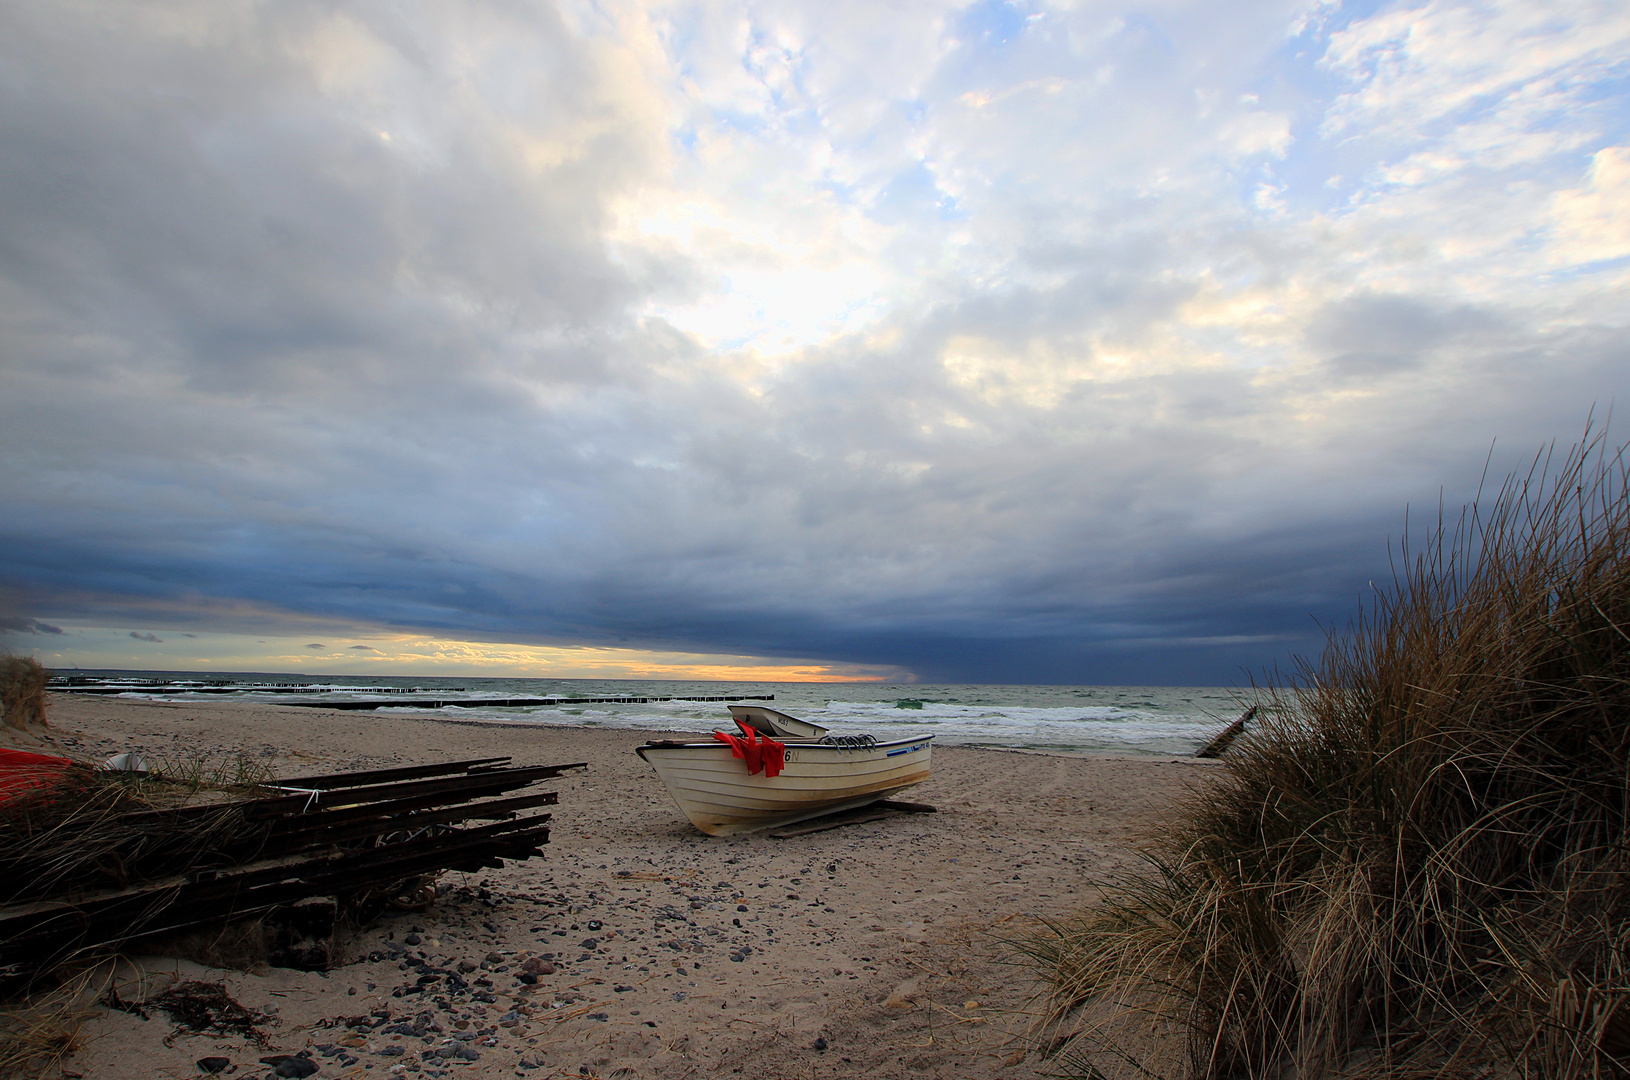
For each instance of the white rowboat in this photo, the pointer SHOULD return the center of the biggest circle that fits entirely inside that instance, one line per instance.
(719, 795)
(775, 724)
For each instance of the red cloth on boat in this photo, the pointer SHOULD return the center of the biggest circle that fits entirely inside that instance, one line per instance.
(759, 752)
(21, 771)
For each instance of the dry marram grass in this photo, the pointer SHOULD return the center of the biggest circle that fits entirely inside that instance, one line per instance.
(1416, 865)
(92, 829)
(39, 1031)
(22, 692)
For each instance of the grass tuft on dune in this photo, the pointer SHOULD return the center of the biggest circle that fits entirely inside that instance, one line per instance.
(1418, 863)
(22, 691)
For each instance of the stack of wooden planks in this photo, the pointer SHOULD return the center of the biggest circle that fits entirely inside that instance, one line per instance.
(360, 838)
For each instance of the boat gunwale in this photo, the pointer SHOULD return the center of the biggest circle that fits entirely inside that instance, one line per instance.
(791, 744)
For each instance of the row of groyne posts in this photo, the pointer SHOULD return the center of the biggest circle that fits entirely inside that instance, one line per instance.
(406, 702)
(512, 702)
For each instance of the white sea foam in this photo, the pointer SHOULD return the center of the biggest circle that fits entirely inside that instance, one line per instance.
(1137, 720)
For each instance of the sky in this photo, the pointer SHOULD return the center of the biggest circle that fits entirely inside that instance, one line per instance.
(1076, 342)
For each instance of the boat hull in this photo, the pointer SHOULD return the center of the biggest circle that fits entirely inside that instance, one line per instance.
(721, 798)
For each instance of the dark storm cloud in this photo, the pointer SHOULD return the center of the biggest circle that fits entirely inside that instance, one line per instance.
(23, 625)
(323, 321)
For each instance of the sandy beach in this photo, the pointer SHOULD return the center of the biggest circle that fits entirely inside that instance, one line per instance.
(874, 950)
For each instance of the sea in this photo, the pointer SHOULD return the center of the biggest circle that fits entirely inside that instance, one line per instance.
(1131, 720)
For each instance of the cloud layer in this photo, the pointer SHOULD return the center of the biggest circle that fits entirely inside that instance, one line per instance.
(1002, 342)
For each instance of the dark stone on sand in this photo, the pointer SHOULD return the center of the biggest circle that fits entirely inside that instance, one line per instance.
(528, 978)
(413, 939)
(213, 1065)
(590, 943)
(820, 1044)
(290, 1065)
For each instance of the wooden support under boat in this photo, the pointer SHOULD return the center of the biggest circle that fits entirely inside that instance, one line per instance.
(859, 816)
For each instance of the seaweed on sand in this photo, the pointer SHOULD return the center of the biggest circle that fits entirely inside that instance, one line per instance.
(198, 1007)
(1416, 865)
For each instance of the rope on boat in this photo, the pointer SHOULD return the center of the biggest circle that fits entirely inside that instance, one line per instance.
(848, 740)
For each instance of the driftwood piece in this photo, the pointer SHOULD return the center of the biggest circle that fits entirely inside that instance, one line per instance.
(1215, 748)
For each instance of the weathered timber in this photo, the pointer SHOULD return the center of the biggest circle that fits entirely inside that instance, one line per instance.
(330, 781)
(62, 928)
(152, 844)
(350, 836)
(294, 836)
(284, 843)
(381, 816)
(486, 781)
(876, 811)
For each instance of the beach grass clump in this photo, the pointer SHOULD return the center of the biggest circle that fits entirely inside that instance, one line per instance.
(38, 1034)
(89, 829)
(1418, 863)
(22, 692)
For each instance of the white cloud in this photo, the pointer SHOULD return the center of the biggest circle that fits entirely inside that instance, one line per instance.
(1592, 223)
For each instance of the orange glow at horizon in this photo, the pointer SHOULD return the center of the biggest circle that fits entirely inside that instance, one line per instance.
(408, 655)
